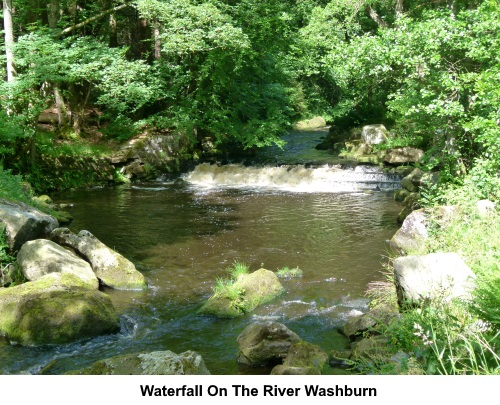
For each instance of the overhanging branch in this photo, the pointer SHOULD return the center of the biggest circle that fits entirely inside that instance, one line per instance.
(94, 18)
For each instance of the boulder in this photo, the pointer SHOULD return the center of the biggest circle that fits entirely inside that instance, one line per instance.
(436, 276)
(23, 223)
(372, 348)
(302, 358)
(313, 123)
(40, 257)
(110, 267)
(154, 363)
(401, 194)
(412, 234)
(411, 237)
(57, 308)
(265, 344)
(399, 156)
(244, 295)
(412, 181)
(374, 134)
(381, 314)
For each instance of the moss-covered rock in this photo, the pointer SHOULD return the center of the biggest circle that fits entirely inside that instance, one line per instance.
(244, 295)
(315, 122)
(381, 314)
(57, 308)
(154, 363)
(302, 358)
(110, 267)
(265, 344)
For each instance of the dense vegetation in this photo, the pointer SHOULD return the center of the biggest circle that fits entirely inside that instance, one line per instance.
(244, 71)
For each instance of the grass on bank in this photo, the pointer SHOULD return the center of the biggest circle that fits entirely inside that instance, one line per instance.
(458, 337)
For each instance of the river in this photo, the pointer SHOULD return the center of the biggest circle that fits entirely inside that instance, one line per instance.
(331, 222)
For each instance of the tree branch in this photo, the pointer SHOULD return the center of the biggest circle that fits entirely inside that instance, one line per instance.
(91, 19)
(375, 17)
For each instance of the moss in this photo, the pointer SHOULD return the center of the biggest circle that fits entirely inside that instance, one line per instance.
(55, 309)
(244, 295)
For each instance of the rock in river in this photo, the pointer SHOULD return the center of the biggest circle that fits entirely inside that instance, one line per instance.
(56, 308)
(110, 267)
(40, 257)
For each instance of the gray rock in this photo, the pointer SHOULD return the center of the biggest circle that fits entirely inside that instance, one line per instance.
(412, 181)
(110, 267)
(265, 344)
(403, 155)
(374, 134)
(412, 234)
(40, 257)
(23, 223)
(378, 315)
(436, 276)
(154, 363)
(57, 308)
(411, 237)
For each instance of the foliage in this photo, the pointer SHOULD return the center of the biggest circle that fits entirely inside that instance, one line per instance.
(13, 187)
(287, 272)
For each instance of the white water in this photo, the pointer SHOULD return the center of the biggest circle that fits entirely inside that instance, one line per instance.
(295, 178)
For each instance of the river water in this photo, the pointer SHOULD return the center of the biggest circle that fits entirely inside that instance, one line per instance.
(330, 222)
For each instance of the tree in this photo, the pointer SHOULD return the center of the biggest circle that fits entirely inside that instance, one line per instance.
(9, 39)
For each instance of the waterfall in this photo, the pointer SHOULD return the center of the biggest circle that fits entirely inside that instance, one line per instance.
(294, 178)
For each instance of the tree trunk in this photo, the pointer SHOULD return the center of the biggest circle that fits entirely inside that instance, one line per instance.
(399, 8)
(53, 13)
(113, 33)
(156, 34)
(9, 39)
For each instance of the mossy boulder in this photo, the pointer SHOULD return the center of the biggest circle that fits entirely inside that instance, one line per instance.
(110, 267)
(41, 256)
(244, 295)
(57, 308)
(263, 344)
(154, 363)
(302, 358)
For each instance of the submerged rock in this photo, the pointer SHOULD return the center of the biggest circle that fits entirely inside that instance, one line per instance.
(154, 363)
(40, 257)
(265, 344)
(244, 295)
(110, 267)
(57, 308)
(436, 276)
(23, 223)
